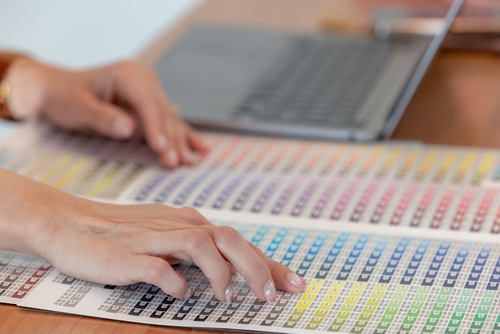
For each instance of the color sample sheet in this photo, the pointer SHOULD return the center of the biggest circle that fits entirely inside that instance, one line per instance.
(19, 274)
(81, 165)
(354, 220)
(358, 282)
(399, 184)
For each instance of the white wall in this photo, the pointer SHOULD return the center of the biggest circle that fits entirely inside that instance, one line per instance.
(80, 33)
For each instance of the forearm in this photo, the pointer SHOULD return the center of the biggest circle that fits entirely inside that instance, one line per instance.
(24, 222)
(124, 244)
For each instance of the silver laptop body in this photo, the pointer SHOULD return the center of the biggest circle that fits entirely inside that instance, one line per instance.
(302, 85)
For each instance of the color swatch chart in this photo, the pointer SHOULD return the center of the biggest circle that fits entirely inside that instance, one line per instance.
(81, 165)
(391, 184)
(357, 283)
(19, 274)
(382, 184)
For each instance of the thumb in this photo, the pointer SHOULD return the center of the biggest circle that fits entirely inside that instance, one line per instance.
(108, 119)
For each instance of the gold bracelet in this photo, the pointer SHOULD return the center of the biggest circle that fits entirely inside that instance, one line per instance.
(5, 88)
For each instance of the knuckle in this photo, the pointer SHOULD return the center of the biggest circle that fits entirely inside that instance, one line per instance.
(156, 270)
(191, 213)
(227, 238)
(227, 235)
(197, 240)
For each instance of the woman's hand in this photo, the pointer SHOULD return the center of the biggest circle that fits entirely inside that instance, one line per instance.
(119, 101)
(125, 244)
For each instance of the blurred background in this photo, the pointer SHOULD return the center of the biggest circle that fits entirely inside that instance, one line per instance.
(79, 34)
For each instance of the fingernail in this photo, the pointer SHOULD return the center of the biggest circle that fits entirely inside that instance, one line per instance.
(229, 293)
(162, 142)
(270, 292)
(173, 157)
(188, 293)
(122, 128)
(296, 280)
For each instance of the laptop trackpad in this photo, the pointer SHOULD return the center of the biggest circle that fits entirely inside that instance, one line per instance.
(208, 73)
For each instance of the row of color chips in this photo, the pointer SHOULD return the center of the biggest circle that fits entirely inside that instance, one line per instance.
(434, 164)
(102, 168)
(355, 200)
(82, 165)
(249, 153)
(358, 283)
(19, 274)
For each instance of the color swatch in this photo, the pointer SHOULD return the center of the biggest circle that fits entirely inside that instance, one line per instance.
(357, 283)
(357, 229)
(19, 274)
(398, 185)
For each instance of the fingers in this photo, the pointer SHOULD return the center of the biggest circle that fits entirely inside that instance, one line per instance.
(191, 143)
(107, 119)
(284, 278)
(211, 248)
(196, 142)
(179, 149)
(186, 154)
(222, 251)
(156, 271)
(164, 130)
(149, 116)
(205, 254)
(173, 235)
(170, 157)
(115, 101)
(130, 85)
(262, 273)
(246, 261)
(194, 245)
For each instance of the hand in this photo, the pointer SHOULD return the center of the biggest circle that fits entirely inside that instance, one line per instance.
(119, 101)
(118, 245)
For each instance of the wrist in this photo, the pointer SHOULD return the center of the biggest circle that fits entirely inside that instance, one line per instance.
(24, 100)
(23, 222)
(6, 61)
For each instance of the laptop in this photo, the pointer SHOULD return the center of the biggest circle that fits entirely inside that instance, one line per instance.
(282, 83)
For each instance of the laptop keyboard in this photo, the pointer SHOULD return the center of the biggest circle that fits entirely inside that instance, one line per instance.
(317, 81)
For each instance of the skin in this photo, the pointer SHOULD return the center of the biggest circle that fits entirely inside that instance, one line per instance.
(125, 244)
(121, 244)
(113, 244)
(120, 101)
